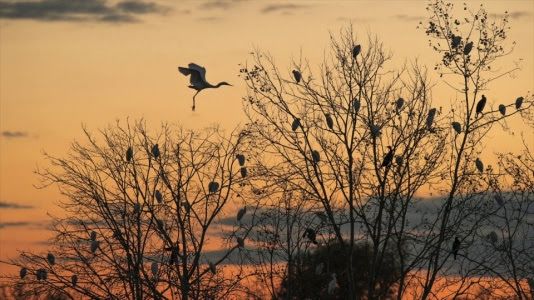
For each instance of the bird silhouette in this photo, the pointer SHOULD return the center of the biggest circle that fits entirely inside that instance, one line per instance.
(297, 76)
(502, 109)
(213, 267)
(155, 150)
(468, 47)
(213, 187)
(241, 159)
(329, 121)
(375, 131)
(388, 158)
(480, 105)
(493, 237)
(244, 172)
(316, 157)
(311, 235)
(198, 79)
(296, 124)
(23, 272)
(356, 105)
(398, 104)
(479, 165)
(129, 154)
(93, 235)
(499, 199)
(74, 280)
(455, 41)
(154, 268)
(518, 102)
(240, 242)
(241, 213)
(51, 258)
(455, 247)
(158, 196)
(356, 50)
(430, 118)
(94, 246)
(457, 127)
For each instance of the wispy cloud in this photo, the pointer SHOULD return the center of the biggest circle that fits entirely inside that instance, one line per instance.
(282, 7)
(404, 17)
(14, 134)
(14, 205)
(14, 224)
(513, 15)
(78, 10)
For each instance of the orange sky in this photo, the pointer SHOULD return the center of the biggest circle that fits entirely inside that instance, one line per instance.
(57, 75)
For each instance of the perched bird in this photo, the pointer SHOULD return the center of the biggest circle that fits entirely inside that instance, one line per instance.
(329, 121)
(375, 131)
(430, 118)
(93, 235)
(492, 237)
(356, 105)
(332, 285)
(41, 274)
(174, 254)
(154, 268)
(129, 154)
(388, 158)
(519, 102)
(316, 157)
(94, 246)
(399, 103)
(499, 199)
(198, 79)
(457, 127)
(51, 258)
(502, 109)
(455, 247)
(479, 165)
(356, 50)
(319, 269)
(74, 280)
(159, 196)
(136, 208)
(311, 235)
(399, 160)
(213, 187)
(23, 272)
(467, 48)
(297, 75)
(240, 159)
(244, 172)
(240, 242)
(295, 124)
(155, 151)
(455, 41)
(241, 213)
(480, 105)
(213, 267)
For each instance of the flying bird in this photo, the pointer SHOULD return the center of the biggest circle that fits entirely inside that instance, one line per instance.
(241, 213)
(519, 102)
(296, 124)
(430, 118)
(297, 76)
(129, 154)
(502, 109)
(198, 79)
(311, 235)
(455, 247)
(479, 165)
(388, 158)
(240, 159)
(468, 47)
(457, 127)
(329, 121)
(356, 50)
(480, 105)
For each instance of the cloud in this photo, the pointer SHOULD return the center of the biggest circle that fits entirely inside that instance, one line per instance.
(513, 15)
(284, 8)
(14, 224)
(220, 4)
(11, 205)
(78, 10)
(14, 134)
(404, 17)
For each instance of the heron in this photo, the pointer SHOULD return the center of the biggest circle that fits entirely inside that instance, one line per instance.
(74, 280)
(468, 47)
(241, 213)
(479, 165)
(297, 76)
(332, 285)
(455, 41)
(480, 105)
(51, 258)
(23, 271)
(129, 154)
(155, 150)
(329, 120)
(296, 124)
(158, 196)
(213, 187)
(240, 159)
(198, 79)
(311, 235)
(430, 117)
(240, 242)
(455, 247)
(519, 102)
(457, 127)
(93, 235)
(316, 157)
(388, 158)
(213, 268)
(502, 109)
(244, 172)
(356, 50)
(399, 103)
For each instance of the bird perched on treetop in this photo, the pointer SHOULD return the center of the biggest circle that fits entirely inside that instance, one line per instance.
(468, 47)
(356, 50)
(388, 158)
(198, 79)
(297, 75)
(481, 104)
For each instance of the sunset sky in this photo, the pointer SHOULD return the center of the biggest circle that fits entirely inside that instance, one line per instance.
(98, 61)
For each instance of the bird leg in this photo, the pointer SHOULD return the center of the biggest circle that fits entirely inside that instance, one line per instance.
(193, 108)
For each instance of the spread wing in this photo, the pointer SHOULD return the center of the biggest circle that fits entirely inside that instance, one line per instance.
(198, 74)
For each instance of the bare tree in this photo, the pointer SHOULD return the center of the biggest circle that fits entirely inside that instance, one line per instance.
(142, 215)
